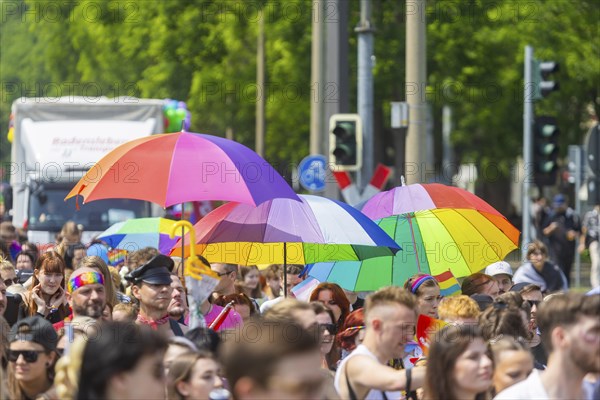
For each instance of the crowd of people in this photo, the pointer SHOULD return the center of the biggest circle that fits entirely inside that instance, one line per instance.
(76, 327)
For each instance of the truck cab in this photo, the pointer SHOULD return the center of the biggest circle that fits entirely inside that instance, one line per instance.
(55, 143)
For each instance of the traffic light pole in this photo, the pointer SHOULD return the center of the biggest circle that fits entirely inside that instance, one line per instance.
(365, 90)
(527, 151)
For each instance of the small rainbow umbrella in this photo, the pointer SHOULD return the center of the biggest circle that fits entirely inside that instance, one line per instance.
(138, 233)
(440, 228)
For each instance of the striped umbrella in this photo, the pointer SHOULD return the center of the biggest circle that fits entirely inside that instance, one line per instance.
(439, 228)
(138, 233)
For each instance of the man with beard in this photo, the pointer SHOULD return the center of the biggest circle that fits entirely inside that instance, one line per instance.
(570, 326)
(178, 308)
(85, 294)
(151, 286)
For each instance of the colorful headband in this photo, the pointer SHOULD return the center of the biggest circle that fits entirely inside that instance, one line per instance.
(353, 328)
(87, 278)
(419, 281)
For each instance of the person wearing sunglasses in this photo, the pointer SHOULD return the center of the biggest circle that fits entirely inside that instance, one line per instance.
(31, 355)
(8, 274)
(333, 297)
(227, 276)
(330, 352)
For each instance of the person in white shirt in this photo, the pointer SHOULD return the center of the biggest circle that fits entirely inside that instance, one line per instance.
(570, 327)
(390, 318)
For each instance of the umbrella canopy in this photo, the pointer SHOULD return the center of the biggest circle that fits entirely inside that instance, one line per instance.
(464, 238)
(174, 168)
(137, 233)
(287, 231)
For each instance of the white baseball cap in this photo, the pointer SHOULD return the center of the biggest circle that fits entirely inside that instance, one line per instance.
(499, 267)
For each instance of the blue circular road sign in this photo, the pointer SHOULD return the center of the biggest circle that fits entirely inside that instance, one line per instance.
(312, 172)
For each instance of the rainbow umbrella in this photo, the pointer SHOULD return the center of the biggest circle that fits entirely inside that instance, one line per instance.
(312, 229)
(138, 233)
(175, 168)
(440, 228)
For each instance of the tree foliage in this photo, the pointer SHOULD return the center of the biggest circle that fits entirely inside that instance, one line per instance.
(204, 53)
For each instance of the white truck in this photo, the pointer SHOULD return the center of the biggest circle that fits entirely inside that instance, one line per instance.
(55, 142)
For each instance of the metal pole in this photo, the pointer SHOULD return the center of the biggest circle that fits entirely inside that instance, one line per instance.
(578, 176)
(261, 88)
(366, 59)
(416, 80)
(337, 76)
(447, 159)
(317, 79)
(528, 167)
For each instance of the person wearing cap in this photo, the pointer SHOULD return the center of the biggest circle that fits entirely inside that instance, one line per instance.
(151, 286)
(561, 228)
(502, 273)
(86, 295)
(31, 355)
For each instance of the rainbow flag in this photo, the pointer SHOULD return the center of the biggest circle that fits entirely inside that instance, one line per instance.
(116, 256)
(426, 328)
(448, 284)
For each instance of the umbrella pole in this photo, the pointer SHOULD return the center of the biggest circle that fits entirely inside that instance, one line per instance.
(285, 284)
(182, 237)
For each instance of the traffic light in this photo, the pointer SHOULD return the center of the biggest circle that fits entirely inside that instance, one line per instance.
(545, 150)
(541, 73)
(345, 142)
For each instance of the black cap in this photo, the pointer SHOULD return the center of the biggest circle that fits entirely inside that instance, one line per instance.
(517, 287)
(157, 271)
(40, 331)
(483, 300)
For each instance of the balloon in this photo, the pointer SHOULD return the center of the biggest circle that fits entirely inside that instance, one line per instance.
(182, 104)
(180, 113)
(188, 121)
(11, 134)
(99, 250)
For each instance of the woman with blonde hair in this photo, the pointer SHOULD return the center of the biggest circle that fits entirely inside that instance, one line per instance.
(193, 376)
(69, 234)
(514, 362)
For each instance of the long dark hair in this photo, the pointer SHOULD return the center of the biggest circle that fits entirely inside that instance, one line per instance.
(445, 348)
(118, 348)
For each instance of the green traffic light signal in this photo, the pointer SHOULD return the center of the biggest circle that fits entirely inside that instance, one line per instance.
(548, 130)
(545, 147)
(541, 74)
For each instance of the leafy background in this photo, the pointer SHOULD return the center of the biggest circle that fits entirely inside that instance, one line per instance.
(204, 53)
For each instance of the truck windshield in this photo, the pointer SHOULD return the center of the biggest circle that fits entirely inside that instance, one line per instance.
(49, 211)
